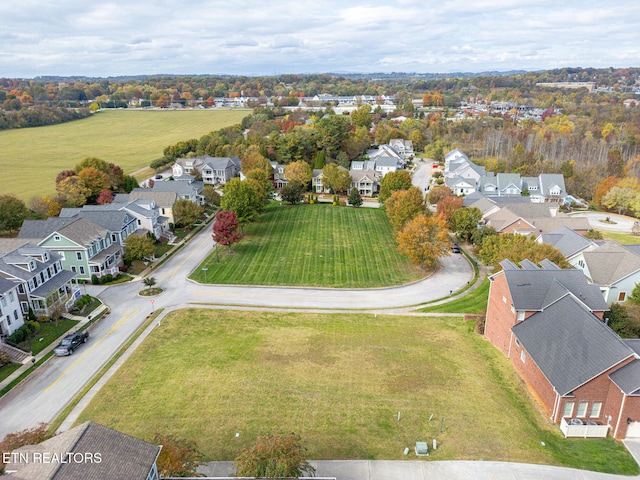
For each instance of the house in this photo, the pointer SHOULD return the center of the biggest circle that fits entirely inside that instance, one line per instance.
(403, 147)
(366, 181)
(43, 285)
(279, 177)
(164, 200)
(546, 187)
(11, 317)
(213, 170)
(85, 248)
(549, 324)
(453, 157)
(569, 242)
(316, 181)
(184, 187)
(119, 223)
(460, 186)
(88, 451)
(614, 267)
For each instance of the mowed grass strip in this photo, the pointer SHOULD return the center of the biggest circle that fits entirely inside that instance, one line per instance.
(337, 380)
(475, 302)
(313, 245)
(32, 157)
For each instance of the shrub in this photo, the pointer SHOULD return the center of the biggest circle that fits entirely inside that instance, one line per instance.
(4, 359)
(95, 280)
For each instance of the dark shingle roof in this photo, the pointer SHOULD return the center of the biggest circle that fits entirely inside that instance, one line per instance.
(628, 378)
(569, 344)
(533, 289)
(568, 241)
(121, 455)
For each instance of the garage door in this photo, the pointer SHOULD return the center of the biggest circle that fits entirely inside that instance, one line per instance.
(633, 430)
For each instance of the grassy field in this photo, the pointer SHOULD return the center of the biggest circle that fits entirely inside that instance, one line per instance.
(623, 238)
(474, 302)
(32, 157)
(338, 381)
(313, 245)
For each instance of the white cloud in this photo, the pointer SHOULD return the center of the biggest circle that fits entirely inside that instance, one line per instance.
(213, 36)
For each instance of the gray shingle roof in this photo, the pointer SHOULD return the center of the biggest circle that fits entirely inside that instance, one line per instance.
(535, 289)
(567, 240)
(43, 228)
(569, 344)
(83, 231)
(610, 263)
(628, 378)
(122, 456)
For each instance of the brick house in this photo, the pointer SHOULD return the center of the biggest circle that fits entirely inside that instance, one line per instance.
(549, 323)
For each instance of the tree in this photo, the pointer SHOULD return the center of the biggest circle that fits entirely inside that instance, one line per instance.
(137, 247)
(210, 196)
(403, 205)
(292, 192)
(30, 436)
(254, 160)
(95, 180)
(624, 319)
(178, 457)
(13, 211)
(392, 181)
(464, 222)
(104, 198)
(92, 162)
(424, 239)
(362, 117)
(186, 212)
(355, 199)
(621, 199)
(73, 191)
(603, 188)
(516, 248)
(262, 181)
(274, 456)
(331, 131)
(299, 171)
(243, 198)
(44, 206)
(448, 206)
(436, 194)
(225, 229)
(336, 178)
(149, 282)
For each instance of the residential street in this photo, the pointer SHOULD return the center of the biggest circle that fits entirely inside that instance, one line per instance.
(46, 392)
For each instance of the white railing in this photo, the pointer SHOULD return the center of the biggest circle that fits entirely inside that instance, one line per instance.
(583, 431)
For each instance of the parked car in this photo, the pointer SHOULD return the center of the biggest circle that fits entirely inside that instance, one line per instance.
(70, 343)
(455, 248)
(159, 177)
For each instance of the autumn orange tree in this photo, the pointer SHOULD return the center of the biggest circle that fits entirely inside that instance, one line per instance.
(274, 456)
(424, 239)
(516, 248)
(178, 458)
(403, 205)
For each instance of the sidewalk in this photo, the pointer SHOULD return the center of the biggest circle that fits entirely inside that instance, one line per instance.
(28, 362)
(428, 470)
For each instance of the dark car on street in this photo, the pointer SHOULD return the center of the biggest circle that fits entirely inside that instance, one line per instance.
(70, 343)
(455, 248)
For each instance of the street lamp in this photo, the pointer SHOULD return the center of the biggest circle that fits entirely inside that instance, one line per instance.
(204, 269)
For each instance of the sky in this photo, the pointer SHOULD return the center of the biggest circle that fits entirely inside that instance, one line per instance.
(99, 38)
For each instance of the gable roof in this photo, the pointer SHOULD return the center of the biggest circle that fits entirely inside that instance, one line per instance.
(122, 456)
(83, 231)
(161, 198)
(570, 345)
(610, 263)
(627, 378)
(112, 220)
(533, 289)
(504, 217)
(43, 228)
(566, 240)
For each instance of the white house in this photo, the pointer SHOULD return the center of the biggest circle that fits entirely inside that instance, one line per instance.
(11, 317)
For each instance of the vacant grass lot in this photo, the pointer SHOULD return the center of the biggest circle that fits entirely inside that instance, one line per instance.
(337, 380)
(474, 302)
(313, 245)
(31, 158)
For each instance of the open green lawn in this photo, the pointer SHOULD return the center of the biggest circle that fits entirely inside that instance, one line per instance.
(623, 238)
(313, 245)
(31, 158)
(474, 302)
(338, 381)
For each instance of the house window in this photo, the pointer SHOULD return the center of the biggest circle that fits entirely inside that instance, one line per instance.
(582, 409)
(15, 315)
(520, 315)
(11, 296)
(523, 356)
(79, 255)
(81, 270)
(73, 268)
(21, 288)
(8, 319)
(56, 238)
(3, 301)
(595, 409)
(568, 409)
(581, 263)
(25, 307)
(622, 296)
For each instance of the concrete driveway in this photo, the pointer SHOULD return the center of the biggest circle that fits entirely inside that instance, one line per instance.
(619, 223)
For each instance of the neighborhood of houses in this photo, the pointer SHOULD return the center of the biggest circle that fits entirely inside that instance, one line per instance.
(549, 322)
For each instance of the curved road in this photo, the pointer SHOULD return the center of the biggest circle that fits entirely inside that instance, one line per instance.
(46, 392)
